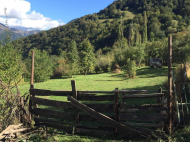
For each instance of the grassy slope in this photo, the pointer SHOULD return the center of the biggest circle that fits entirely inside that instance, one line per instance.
(130, 15)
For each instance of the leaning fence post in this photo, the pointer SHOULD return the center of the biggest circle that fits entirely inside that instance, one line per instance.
(116, 108)
(31, 87)
(169, 98)
(74, 93)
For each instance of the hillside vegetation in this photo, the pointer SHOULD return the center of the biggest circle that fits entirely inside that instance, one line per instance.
(153, 20)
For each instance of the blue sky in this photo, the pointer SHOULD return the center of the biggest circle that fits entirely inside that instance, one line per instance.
(46, 14)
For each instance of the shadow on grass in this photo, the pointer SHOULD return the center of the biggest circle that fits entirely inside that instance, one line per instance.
(151, 72)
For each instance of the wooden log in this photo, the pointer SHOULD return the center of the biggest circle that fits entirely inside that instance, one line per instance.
(92, 132)
(42, 92)
(160, 125)
(16, 131)
(137, 96)
(45, 120)
(97, 98)
(53, 114)
(106, 119)
(10, 127)
(52, 103)
(101, 107)
(142, 117)
(144, 107)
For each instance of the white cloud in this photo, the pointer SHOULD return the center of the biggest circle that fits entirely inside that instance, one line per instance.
(19, 15)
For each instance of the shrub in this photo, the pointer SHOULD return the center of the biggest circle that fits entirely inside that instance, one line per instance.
(130, 68)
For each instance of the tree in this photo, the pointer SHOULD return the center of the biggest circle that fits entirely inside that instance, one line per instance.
(145, 28)
(73, 57)
(10, 64)
(87, 56)
(73, 54)
(140, 53)
(42, 65)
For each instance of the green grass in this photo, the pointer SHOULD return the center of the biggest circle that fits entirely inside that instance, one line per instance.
(130, 15)
(147, 79)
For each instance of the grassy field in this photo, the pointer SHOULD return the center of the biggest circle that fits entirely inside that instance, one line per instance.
(130, 15)
(146, 79)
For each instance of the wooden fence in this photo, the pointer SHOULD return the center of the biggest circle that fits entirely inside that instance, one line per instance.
(108, 111)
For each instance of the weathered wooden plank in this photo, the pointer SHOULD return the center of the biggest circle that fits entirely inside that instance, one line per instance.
(68, 129)
(74, 93)
(142, 117)
(144, 107)
(94, 132)
(85, 94)
(97, 98)
(54, 114)
(52, 103)
(52, 121)
(123, 91)
(160, 125)
(45, 120)
(106, 128)
(42, 92)
(137, 96)
(102, 107)
(106, 120)
(86, 117)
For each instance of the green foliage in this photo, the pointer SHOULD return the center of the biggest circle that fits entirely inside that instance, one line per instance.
(42, 65)
(154, 20)
(87, 56)
(73, 58)
(130, 68)
(10, 64)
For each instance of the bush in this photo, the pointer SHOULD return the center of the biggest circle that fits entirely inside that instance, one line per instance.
(42, 65)
(130, 68)
(10, 64)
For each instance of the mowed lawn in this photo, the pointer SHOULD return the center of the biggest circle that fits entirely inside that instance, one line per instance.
(146, 79)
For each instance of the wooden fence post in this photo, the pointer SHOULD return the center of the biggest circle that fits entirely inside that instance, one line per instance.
(31, 86)
(169, 98)
(74, 92)
(116, 108)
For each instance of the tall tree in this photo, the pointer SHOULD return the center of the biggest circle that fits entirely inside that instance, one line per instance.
(145, 28)
(73, 54)
(73, 57)
(87, 55)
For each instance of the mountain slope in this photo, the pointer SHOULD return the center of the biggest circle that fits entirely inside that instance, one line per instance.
(142, 20)
(16, 34)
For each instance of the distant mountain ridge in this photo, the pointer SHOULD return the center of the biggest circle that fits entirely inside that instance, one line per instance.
(16, 33)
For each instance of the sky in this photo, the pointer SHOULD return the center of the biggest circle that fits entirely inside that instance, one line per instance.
(46, 14)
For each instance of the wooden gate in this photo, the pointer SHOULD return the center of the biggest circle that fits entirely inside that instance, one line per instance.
(100, 113)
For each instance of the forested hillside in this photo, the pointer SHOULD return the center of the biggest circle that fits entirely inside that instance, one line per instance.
(142, 20)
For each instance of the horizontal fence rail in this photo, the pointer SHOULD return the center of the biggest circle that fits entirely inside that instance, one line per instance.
(110, 105)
